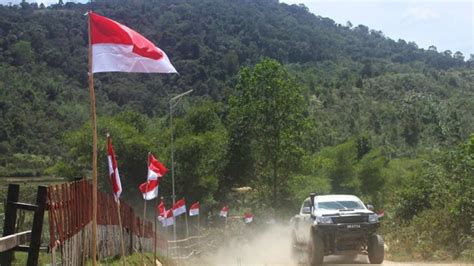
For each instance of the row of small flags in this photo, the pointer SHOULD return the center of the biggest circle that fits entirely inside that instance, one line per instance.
(149, 189)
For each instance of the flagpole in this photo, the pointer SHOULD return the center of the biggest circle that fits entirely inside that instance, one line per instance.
(143, 229)
(94, 150)
(186, 219)
(199, 232)
(121, 232)
(156, 232)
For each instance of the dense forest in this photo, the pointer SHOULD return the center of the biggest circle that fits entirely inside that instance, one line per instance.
(284, 101)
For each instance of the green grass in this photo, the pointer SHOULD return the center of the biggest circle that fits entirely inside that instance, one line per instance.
(135, 259)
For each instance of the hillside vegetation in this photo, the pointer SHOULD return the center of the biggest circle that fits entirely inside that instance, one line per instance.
(284, 101)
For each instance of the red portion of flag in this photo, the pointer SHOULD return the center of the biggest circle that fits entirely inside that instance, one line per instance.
(155, 168)
(161, 210)
(114, 176)
(107, 31)
(195, 206)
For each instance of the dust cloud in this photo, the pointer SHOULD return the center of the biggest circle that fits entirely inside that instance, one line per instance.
(270, 246)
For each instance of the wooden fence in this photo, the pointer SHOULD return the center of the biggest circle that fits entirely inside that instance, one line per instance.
(70, 223)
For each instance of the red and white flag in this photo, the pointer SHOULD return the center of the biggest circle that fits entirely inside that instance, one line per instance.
(155, 168)
(114, 175)
(248, 218)
(224, 211)
(149, 189)
(179, 207)
(194, 210)
(169, 218)
(381, 214)
(161, 210)
(117, 48)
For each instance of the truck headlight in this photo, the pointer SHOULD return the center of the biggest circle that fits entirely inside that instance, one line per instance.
(323, 220)
(373, 218)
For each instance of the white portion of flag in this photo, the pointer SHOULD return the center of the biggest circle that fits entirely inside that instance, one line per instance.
(121, 58)
(248, 219)
(151, 193)
(115, 176)
(169, 220)
(194, 212)
(179, 210)
(223, 214)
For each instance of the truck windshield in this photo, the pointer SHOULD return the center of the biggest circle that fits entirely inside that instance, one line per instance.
(338, 205)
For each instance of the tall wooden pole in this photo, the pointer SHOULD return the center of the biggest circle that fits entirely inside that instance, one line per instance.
(94, 150)
(186, 219)
(143, 229)
(199, 232)
(156, 231)
(122, 245)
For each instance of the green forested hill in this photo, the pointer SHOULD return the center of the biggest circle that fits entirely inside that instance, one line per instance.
(284, 101)
(44, 53)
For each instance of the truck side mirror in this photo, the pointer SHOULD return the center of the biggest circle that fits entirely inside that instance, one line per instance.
(306, 210)
(370, 207)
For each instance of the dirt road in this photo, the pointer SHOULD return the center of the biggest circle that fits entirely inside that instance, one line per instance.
(272, 247)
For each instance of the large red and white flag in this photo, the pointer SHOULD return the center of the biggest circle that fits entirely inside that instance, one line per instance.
(169, 218)
(161, 210)
(194, 210)
(179, 207)
(155, 168)
(224, 211)
(149, 189)
(117, 48)
(114, 175)
(248, 218)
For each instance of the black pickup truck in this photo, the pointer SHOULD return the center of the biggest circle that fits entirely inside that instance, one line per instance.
(335, 225)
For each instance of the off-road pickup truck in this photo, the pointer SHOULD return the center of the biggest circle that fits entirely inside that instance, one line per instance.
(337, 224)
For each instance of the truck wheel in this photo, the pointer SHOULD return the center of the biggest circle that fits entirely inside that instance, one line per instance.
(316, 250)
(376, 249)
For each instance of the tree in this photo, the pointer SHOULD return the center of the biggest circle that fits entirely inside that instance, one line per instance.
(271, 109)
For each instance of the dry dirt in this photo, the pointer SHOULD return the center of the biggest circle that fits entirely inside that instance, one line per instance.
(273, 247)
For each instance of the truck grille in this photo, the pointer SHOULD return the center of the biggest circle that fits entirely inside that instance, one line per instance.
(350, 219)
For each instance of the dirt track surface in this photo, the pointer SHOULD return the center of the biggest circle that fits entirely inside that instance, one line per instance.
(273, 247)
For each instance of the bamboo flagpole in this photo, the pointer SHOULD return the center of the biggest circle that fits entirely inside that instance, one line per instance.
(186, 219)
(122, 245)
(199, 231)
(94, 149)
(156, 231)
(143, 228)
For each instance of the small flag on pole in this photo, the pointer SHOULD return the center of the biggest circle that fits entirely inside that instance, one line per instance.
(169, 218)
(381, 214)
(194, 210)
(248, 218)
(155, 168)
(114, 176)
(161, 211)
(179, 207)
(224, 211)
(149, 189)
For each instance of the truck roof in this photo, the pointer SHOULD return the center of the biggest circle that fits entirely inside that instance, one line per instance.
(324, 198)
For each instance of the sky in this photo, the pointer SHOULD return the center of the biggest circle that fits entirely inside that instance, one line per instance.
(446, 24)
